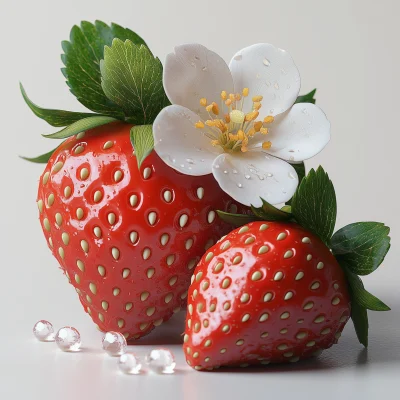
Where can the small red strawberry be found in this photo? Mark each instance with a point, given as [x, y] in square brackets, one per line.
[128, 239]
[267, 292]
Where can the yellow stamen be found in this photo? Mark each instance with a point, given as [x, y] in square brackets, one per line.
[269, 119]
[251, 116]
[257, 126]
[220, 125]
[215, 108]
[266, 145]
[233, 131]
[257, 99]
[199, 125]
[241, 135]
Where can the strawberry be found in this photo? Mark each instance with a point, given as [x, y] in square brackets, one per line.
[128, 239]
[267, 292]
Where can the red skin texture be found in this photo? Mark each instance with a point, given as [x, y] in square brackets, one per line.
[261, 339]
[144, 300]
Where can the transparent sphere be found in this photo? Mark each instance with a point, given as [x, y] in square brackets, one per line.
[44, 331]
[129, 364]
[68, 339]
[161, 361]
[114, 343]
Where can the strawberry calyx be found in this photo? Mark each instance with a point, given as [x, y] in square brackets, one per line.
[105, 83]
[359, 248]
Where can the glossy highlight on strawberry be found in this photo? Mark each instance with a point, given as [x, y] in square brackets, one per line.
[268, 292]
[128, 239]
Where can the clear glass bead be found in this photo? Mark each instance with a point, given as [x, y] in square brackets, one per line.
[44, 331]
[129, 364]
[114, 343]
[68, 339]
[161, 361]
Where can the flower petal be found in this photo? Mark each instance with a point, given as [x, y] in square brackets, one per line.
[269, 72]
[248, 176]
[180, 144]
[300, 133]
[193, 72]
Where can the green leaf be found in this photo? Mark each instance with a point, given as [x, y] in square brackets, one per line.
[236, 219]
[314, 204]
[82, 55]
[359, 316]
[301, 173]
[307, 98]
[267, 212]
[142, 141]
[362, 246]
[56, 118]
[132, 78]
[80, 126]
[362, 296]
[42, 159]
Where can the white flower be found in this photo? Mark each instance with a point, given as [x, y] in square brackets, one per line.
[240, 122]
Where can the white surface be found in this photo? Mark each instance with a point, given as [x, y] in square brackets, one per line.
[348, 49]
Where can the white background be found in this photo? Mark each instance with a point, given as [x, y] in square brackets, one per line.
[349, 50]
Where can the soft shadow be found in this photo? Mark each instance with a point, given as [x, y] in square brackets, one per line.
[169, 333]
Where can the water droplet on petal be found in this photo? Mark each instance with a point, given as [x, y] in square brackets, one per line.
[247, 176]
[239, 185]
[216, 166]
[225, 172]
[238, 57]
[190, 160]
[266, 62]
[129, 364]
[276, 85]
[234, 171]
[204, 69]
[161, 361]
[68, 339]
[44, 331]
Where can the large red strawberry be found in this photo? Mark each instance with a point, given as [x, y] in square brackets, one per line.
[126, 229]
[128, 239]
[267, 292]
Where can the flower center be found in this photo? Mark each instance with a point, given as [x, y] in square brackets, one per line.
[235, 130]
